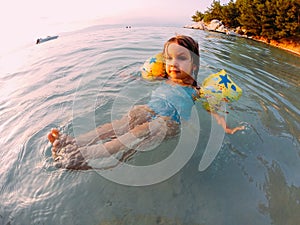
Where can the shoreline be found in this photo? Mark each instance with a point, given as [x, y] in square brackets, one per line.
[291, 44]
[288, 44]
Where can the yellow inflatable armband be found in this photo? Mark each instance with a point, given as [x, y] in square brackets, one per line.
[217, 88]
[154, 67]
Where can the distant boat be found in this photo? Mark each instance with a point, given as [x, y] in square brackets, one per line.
[48, 38]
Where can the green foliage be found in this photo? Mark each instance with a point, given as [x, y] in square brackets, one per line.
[267, 18]
[272, 19]
[249, 17]
[213, 12]
[198, 16]
[288, 18]
[230, 14]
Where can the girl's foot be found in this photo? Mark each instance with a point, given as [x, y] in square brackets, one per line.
[65, 151]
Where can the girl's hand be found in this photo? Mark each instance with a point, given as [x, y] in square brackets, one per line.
[221, 121]
[233, 130]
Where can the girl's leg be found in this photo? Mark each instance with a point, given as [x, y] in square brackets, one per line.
[140, 137]
[137, 115]
[63, 145]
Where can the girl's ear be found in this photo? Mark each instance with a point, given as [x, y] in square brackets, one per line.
[194, 67]
[194, 72]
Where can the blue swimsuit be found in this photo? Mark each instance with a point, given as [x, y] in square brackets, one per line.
[173, 100]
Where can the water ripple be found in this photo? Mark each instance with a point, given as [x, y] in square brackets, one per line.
[86, 71]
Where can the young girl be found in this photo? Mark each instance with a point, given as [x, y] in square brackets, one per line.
[144, 125]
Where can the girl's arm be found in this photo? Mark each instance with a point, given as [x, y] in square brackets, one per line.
[221, 121]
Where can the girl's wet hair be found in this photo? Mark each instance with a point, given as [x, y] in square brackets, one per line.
[190, 44]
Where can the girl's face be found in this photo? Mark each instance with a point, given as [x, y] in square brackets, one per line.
[179, 63]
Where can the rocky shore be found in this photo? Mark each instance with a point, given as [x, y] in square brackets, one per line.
[289, 44]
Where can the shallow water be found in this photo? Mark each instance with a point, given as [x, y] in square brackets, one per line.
[73, 83]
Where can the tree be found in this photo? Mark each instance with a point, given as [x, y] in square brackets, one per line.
[230, 13]
[287, 18]
[198, 16]
[268, 15]
[272, 19]
[250, 16]
[213, 12]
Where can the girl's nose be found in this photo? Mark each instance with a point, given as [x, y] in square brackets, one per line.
[173, 62]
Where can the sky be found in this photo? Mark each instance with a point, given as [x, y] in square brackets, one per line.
[27, 20]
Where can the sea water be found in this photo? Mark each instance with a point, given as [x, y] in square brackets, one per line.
[74, 82]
